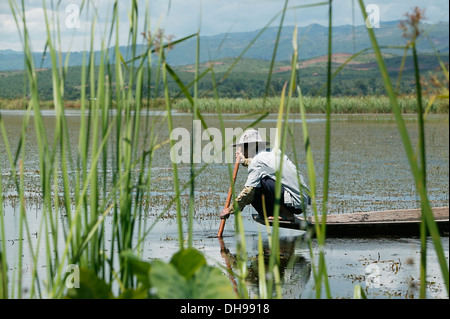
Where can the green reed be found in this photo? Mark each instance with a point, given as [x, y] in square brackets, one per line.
[314, 104]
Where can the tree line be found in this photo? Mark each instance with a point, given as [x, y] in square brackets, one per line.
[237, 84]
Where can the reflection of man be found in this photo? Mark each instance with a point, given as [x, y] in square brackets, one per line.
[260, 182]
[294, 269]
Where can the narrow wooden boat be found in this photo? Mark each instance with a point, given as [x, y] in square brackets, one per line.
[403, 222]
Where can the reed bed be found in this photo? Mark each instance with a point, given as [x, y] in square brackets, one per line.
[313, 104]
[108, 172]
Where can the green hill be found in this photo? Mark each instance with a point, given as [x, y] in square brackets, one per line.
[249, 76]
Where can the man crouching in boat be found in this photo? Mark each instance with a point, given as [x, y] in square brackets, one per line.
[260, 184]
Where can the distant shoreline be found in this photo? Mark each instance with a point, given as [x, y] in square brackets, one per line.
[339, 105]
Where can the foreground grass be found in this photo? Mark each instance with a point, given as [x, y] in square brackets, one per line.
[342, 104]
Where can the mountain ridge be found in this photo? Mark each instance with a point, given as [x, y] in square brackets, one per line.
[312, 39]
[248, 78]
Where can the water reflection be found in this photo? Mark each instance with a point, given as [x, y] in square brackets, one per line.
[295, 268]
[369, 172]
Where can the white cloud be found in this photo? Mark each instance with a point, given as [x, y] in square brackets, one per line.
[183, 17]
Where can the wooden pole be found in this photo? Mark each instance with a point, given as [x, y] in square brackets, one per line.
[226, 257]
[230, 193]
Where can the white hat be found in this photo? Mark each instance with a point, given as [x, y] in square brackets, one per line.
[250, 136]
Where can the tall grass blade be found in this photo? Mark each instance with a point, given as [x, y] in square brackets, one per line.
[415, 169]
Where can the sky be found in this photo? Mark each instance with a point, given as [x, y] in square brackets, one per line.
[184, 17]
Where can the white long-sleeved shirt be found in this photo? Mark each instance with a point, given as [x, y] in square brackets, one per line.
[266, 163]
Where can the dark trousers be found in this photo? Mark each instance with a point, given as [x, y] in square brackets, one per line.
[267, 191]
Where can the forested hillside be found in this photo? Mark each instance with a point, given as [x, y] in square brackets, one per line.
[248, 78]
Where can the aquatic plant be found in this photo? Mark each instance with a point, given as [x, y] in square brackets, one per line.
[416, 161]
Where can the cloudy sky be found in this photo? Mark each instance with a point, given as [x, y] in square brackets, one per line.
[184, 17]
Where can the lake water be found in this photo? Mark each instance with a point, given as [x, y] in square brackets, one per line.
[369, 171]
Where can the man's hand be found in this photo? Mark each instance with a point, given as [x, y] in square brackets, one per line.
[240, 156]
[225, 213]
